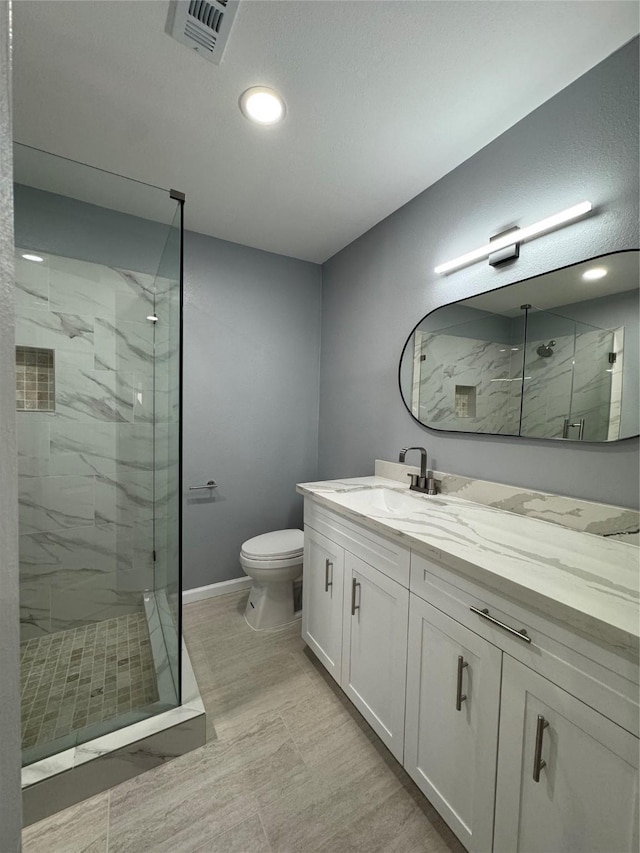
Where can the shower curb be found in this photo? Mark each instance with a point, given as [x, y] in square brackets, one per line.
[55, 783]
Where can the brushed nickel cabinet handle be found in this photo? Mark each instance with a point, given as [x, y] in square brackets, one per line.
[327, 583]
[460, 696]
[484, 614]
[354, 607]
[538, 760]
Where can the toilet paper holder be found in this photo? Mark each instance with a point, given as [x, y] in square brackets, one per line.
[210, 484]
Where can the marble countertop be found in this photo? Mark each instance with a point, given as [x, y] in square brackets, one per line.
[585, 582]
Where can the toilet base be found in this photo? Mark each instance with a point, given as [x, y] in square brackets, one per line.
[270, 605]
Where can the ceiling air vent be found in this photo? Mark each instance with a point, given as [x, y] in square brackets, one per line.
[203, 25]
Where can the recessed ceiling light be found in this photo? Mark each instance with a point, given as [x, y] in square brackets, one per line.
[35, 258]
[262, 105]
[594, 273]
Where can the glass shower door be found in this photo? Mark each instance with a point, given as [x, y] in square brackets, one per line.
[589, 412]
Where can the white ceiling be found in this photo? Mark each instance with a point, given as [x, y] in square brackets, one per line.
[562, 287]
[383, 99]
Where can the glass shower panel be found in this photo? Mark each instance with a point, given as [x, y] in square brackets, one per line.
[548, 374]
[90, 247]
[166, 449]
[590, 411]
[567, 383]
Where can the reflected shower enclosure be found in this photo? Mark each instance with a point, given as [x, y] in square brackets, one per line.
[555, 356]
[98, 365]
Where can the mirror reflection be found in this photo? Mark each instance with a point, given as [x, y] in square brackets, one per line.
[555, 356]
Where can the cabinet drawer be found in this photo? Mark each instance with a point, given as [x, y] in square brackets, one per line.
[385, 555]
[597, 676]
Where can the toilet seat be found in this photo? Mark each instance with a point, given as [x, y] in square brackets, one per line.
[266, 565]
[284, 547]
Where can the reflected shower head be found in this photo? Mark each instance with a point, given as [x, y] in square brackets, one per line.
[545, 350]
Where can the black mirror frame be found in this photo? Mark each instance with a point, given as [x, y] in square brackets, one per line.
[499, 434]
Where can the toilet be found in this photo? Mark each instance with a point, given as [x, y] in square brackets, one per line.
[274, 562]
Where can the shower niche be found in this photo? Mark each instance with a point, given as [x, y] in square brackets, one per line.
[554, 357]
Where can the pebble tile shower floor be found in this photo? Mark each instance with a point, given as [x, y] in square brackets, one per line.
[86, 675]
[289, 765]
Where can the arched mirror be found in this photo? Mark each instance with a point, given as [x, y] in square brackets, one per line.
[555, 356]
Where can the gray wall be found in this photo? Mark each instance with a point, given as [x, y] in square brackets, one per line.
[10, 795]
[251, 355]
[583, 143]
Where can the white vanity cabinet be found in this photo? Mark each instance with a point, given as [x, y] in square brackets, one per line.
[451, 734]
[475, 693]
[567, 775]
[355, 616]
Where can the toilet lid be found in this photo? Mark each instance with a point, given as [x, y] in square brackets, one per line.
[279, 544]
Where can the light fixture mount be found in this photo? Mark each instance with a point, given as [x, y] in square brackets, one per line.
[508, 253]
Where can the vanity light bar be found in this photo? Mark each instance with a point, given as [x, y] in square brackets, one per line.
[517, 236]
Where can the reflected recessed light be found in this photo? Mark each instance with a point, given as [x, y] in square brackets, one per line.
[262, 105]
[503, 350]
[514, 349]
[153, 318]
[35, 258]
[594, 273]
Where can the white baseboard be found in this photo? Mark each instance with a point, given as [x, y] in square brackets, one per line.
[213, 589]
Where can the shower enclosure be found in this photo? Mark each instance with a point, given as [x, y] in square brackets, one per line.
[98, 360]
[537, 374]
[568, 387]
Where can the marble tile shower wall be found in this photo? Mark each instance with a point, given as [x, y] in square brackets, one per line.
[87, 473]
[484, 365]
[575, 382]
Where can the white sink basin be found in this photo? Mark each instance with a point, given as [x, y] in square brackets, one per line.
[382, 502]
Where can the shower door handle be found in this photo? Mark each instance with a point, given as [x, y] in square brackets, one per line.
[579, 426]
[210, 484]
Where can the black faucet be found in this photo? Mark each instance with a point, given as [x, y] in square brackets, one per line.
[419, 482]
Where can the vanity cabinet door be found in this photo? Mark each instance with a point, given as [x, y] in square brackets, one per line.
[451, 735]
[586, 795]
[374, 656]
[322, 589]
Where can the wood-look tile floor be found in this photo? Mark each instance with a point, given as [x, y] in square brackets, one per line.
[289, 767]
